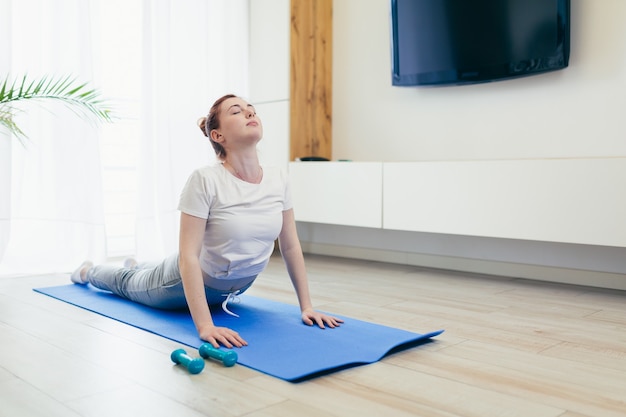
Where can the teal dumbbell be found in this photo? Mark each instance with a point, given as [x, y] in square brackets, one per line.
[227, 357]
[193, 365]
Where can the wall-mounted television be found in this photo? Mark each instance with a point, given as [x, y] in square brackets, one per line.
[453, 42]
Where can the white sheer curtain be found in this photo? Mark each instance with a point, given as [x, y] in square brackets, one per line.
[194, 52]
[5, 139]
[51, 200]
[51, 213]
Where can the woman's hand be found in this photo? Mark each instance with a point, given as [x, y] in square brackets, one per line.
[221, 335]
[311, 317]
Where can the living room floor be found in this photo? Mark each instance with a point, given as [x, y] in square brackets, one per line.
[511, 347]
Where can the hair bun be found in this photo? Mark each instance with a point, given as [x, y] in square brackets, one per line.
[202, 125]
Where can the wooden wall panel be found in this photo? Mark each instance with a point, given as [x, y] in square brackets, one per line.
[311, 78]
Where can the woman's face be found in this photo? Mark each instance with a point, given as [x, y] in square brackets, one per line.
[239, 122]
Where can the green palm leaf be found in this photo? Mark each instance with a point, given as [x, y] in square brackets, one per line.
[81, 99]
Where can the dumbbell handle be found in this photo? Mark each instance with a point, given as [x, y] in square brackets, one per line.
[193, 365]
[227, 357]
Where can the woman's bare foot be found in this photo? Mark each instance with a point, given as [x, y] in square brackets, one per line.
[130, 263]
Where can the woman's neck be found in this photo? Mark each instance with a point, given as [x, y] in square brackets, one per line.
[246, 170]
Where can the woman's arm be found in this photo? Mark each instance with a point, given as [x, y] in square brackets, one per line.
[291, 252]
[190, 243]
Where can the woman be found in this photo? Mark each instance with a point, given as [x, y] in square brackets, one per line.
[231, 214]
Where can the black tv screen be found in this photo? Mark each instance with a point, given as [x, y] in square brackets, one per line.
[440, 42]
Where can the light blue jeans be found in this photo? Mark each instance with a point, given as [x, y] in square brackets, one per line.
[156, 285]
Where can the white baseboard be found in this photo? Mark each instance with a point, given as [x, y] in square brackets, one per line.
[494, 268]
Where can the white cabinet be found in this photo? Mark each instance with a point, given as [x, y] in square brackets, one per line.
[345, 193]
[580, 201]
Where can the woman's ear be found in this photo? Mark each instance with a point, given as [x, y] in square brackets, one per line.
[216, 136]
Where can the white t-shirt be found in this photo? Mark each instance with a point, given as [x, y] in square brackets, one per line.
[243, 219]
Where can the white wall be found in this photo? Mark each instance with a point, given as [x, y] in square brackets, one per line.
[574, 113]
[269, 77]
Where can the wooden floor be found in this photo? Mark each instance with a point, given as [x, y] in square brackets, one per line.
[511, 348]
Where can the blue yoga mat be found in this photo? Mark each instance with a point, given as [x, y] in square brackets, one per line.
[279, 344]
